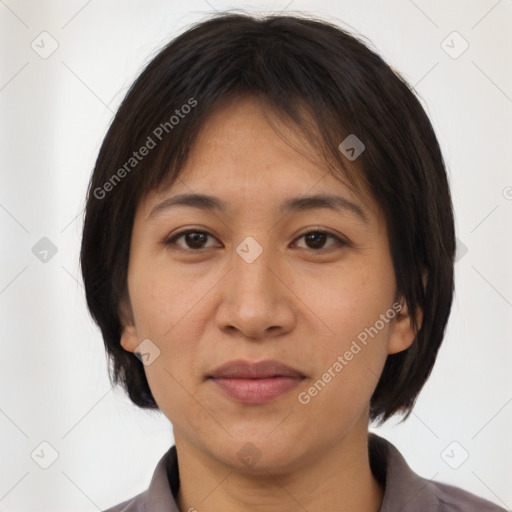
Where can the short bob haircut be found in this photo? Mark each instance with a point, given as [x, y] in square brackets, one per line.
[325, 83]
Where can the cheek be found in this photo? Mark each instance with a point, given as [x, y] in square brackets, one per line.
[345, 303]
[351, 355]
[339, 393]
[173, 376]
[164, 296]
[171, 313]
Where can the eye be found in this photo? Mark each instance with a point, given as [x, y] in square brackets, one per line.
[193, 238]
[316, 240]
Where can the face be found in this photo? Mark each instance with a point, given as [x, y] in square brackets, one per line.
[312, 288]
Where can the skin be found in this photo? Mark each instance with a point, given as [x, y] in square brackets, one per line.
[299, 302]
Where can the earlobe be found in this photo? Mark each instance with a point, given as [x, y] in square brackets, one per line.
[129, 338]
[403, 332]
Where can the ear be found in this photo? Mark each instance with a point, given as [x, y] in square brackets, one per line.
[129, 338]
[402, 331]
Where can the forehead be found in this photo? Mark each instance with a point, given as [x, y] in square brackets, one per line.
[245, 151]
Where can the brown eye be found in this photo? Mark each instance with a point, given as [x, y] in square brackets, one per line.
[193, 239]
[316, 240]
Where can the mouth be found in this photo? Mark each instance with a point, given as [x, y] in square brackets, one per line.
[255, 383]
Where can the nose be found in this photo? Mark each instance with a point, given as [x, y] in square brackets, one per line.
[257, 302]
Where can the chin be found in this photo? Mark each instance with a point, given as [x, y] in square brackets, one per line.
[258, 454]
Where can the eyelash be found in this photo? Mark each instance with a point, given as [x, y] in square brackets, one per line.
[172, 240]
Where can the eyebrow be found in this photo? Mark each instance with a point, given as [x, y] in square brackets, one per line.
[294, 204]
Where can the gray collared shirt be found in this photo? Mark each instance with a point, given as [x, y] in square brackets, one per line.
[404, 490]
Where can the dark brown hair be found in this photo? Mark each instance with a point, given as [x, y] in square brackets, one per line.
[328, 84]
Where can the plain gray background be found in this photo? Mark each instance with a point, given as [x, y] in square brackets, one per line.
[65, 67]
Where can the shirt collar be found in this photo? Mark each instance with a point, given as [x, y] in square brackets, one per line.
[403, 489]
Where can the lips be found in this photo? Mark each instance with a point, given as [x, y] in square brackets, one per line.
[255, 383]
[240, 369]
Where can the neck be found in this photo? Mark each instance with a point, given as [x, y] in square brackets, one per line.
[339, 479]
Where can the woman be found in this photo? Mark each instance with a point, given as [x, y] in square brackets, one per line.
[268, 250]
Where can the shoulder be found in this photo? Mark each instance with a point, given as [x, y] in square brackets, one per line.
[406, 491]
[134, 504]
[455, 499]
[161, 491]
